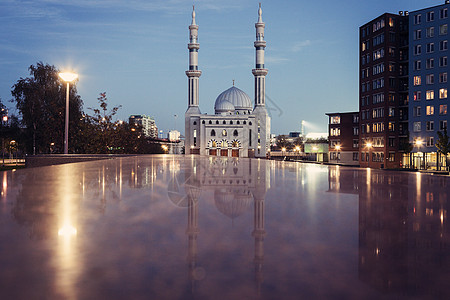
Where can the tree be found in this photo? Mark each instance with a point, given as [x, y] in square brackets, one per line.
[40, 100]
[443, 144]
[407, 147]
[282, 142]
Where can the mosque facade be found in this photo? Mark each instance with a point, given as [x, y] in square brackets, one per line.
[238, 128]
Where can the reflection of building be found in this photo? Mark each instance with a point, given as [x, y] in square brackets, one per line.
[237, 128]
[148, 125]
[404, 234]
[343, 132]
[236, 185]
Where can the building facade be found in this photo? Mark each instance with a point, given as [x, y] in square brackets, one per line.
[383, 90]
[343, 135]
[238, 128]
[148, 125]
[428, 82]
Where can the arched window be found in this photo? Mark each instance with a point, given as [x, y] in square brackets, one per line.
[224, 144]
[203, 122]
[235, 133]
[195, 122]
[210, 122]
[238, 122]
[213, 132]
[217, 122]
[231, 122]
[224, 122]
[245, 122]
[235, 144]
[224, 132]
[250, 123]
[213, 144]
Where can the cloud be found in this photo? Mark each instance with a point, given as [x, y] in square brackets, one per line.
[299, 46]
[275, 59]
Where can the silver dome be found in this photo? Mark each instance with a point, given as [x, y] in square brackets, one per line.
[224, 106]
[237, 97]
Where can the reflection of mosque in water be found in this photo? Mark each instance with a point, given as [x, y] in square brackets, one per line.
[404, 233]
[237, 184]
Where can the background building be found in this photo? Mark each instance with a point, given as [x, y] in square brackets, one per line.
[383, 90]
[343, 138]
[148, 125]
[428, 81]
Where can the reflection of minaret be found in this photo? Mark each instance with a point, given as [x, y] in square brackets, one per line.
[259, 232]
[192, 232]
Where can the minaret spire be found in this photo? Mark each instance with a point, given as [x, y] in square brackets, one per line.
[193, 73]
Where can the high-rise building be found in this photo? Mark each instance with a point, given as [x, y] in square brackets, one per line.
[148, 125]
[383, 90]
[428, 83]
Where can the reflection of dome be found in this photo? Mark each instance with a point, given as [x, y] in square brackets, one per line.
[239, 99]
[224, 106]
[181, 188]
[232, 203]
[176, 193]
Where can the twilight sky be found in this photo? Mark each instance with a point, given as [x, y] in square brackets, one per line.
[136, 52]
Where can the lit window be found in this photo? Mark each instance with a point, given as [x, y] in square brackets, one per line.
[417, 80]
[224, 132]
[335, 120]
[430, 110]
[443, 109]
[430, 94]
[442, 93]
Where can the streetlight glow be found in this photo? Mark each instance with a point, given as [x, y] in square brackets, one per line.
[369, 145]
[68, 76]
[338, 147]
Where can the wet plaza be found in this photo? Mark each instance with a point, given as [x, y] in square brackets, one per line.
[192, 227]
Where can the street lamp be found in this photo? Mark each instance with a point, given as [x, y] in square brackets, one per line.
[68, 77]
[297, 148]
[338, 148]
[418, 143]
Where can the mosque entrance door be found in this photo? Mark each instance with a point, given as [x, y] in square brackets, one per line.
[235, 153]
[213, 152]
[224, 152]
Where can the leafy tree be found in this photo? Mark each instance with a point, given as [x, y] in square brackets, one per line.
[282, 142]
[407, 147]
[443, 143]
[40, 100]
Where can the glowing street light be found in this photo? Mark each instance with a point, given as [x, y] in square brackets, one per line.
[338, 148]
[67, 77]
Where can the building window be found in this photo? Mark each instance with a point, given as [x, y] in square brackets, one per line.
[355, 130]
[443, 29]
[235, 133]
[417, 65]
[224, 132]
[335, 131]
[443, 77]
[430, 79]
[391, 126]
[195, 137]
[391, 157]
[417, 127]
[430, 141]
[355, 143]
[443, 61]
[195, 123]
[335, 120]
[391, 111]
[430, 47]
[355, 156]
[443, 45]
[430, 125]
[430, 63]
[417, 34]
[378, 54]
[217, 122]
[443, 13]
[430, 110]
[430, 16]
[430, 32]
[430, 94]
[417, 111]
[442, 93]
[213, 132]
[443, 109]
[417, 95]
[443, 124]
[417, 19]
[417, 80]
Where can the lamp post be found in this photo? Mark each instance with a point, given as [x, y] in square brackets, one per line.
[418, 143]
[298, 151]
[368, 146]
[283, 150]
[68, 77]
[338, 148]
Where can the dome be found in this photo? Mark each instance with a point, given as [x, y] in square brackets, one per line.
[224, 106]
[240, 100]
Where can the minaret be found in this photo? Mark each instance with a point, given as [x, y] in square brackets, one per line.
[260, 72]
[262, 138]
[193, 73]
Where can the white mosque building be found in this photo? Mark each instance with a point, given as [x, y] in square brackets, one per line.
[238, 128]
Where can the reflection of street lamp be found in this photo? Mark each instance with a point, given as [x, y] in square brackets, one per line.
[283, 151]
[297, 148]
[338, 148]
[165, 148]
[368, 146]
[67, 77]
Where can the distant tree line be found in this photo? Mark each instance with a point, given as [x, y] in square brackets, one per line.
[39, 127]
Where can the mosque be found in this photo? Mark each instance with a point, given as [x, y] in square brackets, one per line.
[238, 128]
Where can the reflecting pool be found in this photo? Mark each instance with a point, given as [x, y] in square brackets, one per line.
[191, 227]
